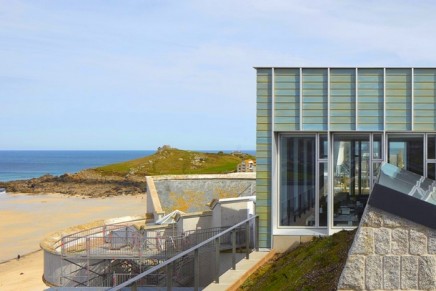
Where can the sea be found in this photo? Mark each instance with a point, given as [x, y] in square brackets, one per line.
[22, 165]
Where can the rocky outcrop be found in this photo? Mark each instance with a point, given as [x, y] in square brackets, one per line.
[85, 183]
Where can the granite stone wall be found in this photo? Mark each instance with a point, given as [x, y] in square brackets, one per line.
[390, 253]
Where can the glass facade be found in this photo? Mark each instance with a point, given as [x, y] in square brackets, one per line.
[323, 135]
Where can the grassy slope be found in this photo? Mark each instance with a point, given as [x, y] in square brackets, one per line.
[316, 265]
[174, 161]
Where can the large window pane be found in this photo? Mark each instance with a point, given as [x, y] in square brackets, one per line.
[297, 181]
[323, 193]
[377, 146]
[323, 146]
[406, 152]
[351, 178]
[431, 171]
[431, 149]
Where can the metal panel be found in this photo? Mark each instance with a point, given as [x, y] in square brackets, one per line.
[370, 102]
[424, 99]
[398, 99]
[263, 150]
[286, 99]
[314, 99]
[342, 99]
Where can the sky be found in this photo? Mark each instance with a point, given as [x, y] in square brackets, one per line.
[135, 75]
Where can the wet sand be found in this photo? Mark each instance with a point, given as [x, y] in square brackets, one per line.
[26, 219]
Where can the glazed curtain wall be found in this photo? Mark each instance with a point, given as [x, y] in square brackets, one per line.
[314, 100]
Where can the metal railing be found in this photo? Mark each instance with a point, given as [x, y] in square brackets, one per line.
[95, 230]
[251, 239]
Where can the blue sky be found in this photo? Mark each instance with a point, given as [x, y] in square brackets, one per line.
[140, 74]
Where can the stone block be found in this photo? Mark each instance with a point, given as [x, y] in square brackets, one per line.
[391, 272]
[372, 217]
[417, 242]
[363, 242]
[400, 241]
[427, 272]
[393, 221]
[409, 272]
[432, 242]
[374, 272]
[382, 241]
[352, 276]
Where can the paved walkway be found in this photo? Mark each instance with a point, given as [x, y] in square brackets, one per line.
[232, 279]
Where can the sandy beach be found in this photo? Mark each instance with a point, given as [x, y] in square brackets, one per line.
[27, 219]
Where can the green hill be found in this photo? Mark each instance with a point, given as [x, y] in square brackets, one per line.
[172, 161]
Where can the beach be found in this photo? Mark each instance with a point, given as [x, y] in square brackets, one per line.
[27, 219]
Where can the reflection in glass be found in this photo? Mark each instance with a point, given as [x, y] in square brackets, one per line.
[297, 181]
[376, 170]
[407, 153]
[323, 146]
[351, 178]
[407, 182]
[431, 171]
[323, 193]
[431, 147]
[377, 146]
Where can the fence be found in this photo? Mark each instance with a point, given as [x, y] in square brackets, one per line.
[195, 254]
[108, 255]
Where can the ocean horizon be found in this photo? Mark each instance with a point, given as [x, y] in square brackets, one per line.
[28, 164]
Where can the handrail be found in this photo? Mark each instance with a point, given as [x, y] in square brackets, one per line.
[184, 253]
[121, 223]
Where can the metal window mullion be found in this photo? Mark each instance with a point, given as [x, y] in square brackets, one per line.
[328, 99]
[371, 155]
[356, 99]
[384, 98]
[317, 180]
[275, 212]
[330, 185]
[412, 96]
[273, 105]
[425, 154]
[301, 99]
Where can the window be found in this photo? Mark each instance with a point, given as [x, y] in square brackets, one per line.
[297, 180]
[407, 152]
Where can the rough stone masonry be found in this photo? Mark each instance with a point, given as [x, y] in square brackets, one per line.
[390, 253]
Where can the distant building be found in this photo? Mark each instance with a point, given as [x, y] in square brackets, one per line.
[247, 166]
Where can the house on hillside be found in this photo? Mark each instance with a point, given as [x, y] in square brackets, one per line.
[322, 134]
[247, 166]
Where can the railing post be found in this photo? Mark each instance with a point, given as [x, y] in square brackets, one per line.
[169, 276]
[217, 260]
[256, 221]
[63, 246]
[88, 251]
[247, 240]
[196, 271]
[233, 237]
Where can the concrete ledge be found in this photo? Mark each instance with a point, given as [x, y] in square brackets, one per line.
[232, 279]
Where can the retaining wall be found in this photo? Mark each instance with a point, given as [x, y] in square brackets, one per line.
[191, 193]
[390, 253]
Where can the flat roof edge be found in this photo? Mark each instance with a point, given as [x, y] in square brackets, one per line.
[341, 67]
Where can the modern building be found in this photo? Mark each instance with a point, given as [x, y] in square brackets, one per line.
[322, 134]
